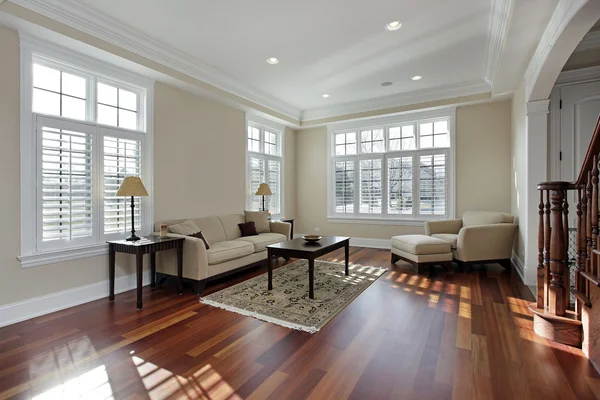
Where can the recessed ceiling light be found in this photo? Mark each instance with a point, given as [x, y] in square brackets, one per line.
[417, 78]
[273, 60]
[393, 26]
[325, 95]
[386, 84]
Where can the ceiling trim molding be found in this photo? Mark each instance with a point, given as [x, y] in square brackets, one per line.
[590, 41]
[402, 99]
[499, 23]
[103, 27]
[578, 76]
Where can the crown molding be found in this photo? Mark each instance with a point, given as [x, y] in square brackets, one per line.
[402, 99]
[590, 41]
[499, 23]
[578, 76]
[101, 26]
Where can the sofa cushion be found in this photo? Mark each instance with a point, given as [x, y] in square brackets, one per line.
[420, 244]
[229, 250]
[263, 239]
[451, 238]
[472, 218]
[186, 228]
[230, 225]
[260, 219]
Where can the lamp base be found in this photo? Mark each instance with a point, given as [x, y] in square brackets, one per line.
[133, 238]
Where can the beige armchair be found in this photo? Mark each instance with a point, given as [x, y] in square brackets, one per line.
[479, 237]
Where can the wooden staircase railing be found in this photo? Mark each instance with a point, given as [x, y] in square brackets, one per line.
[554, 316]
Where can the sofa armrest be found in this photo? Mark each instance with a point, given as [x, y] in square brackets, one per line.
[281, 227]
[195, 259]
[486, 242]
[447, 226]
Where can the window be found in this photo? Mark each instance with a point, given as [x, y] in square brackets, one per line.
[83, 130]
[398, 169]
[264, 165]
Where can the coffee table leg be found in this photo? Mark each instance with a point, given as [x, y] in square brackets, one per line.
[347, 254]
[270, 266]
[311, 278]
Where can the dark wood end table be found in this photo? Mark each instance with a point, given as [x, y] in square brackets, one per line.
[146, 245]
[299, 248]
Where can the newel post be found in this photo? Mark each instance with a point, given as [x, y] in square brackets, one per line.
[557, 293]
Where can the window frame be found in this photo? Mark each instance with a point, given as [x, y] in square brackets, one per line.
[39, 51]
[386, 218]
[262, 124]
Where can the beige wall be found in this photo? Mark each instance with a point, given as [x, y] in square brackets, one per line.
[199, 170]
[482, 179]
[518, 186]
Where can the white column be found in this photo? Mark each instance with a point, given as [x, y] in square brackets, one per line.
[537, 171]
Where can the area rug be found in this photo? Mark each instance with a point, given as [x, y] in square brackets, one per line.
[288, 303]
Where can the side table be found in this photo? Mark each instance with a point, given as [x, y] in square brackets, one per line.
[146, 245]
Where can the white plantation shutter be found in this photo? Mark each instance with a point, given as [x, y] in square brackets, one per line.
[122, 157]
[370, 186]
[256, 172]
[400, 185]
[432, 184]
[274, 181]
[344, 186]
[65, 194]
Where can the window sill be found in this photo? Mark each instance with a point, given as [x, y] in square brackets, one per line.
[376, 221]
[57, 256]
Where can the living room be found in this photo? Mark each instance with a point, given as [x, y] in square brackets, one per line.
[381, 135]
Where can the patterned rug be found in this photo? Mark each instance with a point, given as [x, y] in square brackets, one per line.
[288, 303]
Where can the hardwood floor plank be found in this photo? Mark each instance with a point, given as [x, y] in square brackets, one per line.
[439, 335]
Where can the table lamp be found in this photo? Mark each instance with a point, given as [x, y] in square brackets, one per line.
[132, 186]
[263, 190]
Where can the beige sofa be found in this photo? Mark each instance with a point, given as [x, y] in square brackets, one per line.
[228, 250]
[480, 237]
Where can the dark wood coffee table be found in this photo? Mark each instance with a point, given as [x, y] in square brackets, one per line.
[299, 248]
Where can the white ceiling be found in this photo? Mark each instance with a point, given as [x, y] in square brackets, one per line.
[339, 47]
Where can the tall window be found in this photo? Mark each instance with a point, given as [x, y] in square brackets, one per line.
[398, 169]
[82, 133]
[264, 165]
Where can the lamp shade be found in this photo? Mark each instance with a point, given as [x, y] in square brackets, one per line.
[263, 190]
[132, 186]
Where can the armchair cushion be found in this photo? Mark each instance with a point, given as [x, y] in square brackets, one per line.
[420, 244]
[451, 238]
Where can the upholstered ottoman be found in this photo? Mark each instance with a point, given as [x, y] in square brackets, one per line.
[422, 251]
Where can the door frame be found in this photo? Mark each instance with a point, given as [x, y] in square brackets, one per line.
[566, 78]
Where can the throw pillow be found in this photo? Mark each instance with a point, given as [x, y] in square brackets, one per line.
[261, 219]
[185, 228]
[199, 235]
[248, 229]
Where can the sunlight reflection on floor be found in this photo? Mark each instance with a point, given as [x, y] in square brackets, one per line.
[93, 384]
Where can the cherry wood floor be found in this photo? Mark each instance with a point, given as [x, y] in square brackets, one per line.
[441, 336]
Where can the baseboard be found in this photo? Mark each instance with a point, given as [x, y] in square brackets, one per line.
[519, 267]
[364, 242]
[31, 308]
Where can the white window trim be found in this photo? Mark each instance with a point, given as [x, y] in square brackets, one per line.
[384, 218]
[34, 47]
[256, 121]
